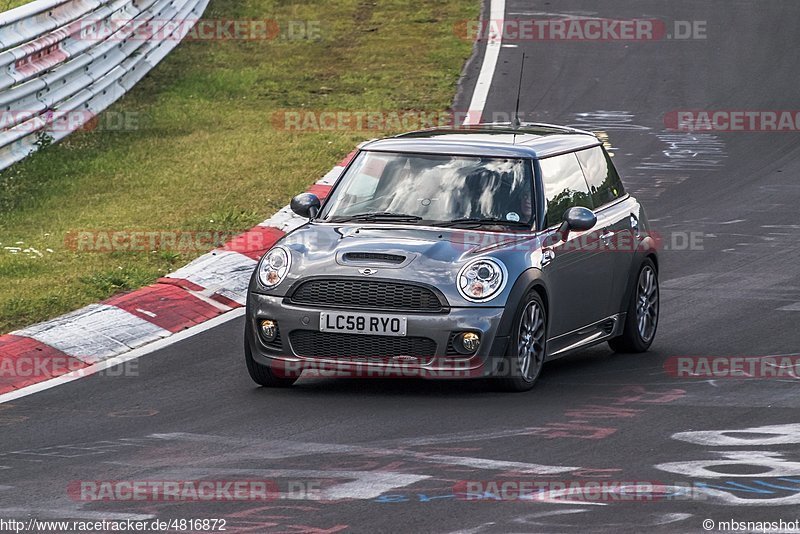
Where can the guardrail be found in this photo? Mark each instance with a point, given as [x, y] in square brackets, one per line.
[62, 62]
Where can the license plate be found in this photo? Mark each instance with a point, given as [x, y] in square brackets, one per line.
[363, 323]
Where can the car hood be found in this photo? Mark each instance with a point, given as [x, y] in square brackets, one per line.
[430, 255]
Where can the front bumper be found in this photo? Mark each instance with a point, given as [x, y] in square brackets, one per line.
[438, 327]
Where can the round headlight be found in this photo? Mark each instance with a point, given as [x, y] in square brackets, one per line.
[274, 266]
[481, 280]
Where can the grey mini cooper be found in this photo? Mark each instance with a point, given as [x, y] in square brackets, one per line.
[470, 252]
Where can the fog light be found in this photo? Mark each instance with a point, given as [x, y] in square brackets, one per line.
[468, 342]
[269, 329]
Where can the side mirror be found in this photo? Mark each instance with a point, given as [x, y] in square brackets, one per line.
[578, 219]
[305, 205]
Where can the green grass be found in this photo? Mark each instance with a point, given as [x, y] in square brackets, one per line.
[205, 148]
[5, 5]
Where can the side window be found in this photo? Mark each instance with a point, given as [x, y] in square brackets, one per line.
[604, 183]
[564, 186]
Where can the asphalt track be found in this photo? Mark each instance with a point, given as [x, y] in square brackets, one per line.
[388, 454]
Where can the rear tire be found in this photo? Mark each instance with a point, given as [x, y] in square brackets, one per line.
[525, 355]
[641, 320]
[264, 375]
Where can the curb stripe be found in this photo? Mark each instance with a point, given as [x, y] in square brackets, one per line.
[332, 176]
[94, 333]
[254, 242]
[166, 306]
[321, 190]
[179, 282]
[284, 220]
[348, 158]
[216, 304]
[225, 301]
[219, 272]
[25, 361]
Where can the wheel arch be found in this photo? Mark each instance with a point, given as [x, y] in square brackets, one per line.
[639, 259]
[654, 258]
[538, 286]
[529, 280]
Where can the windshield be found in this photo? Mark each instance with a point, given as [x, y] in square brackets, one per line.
[434, 189]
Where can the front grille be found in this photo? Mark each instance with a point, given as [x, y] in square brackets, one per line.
[313, 344]
[367, 294]
[374, 256]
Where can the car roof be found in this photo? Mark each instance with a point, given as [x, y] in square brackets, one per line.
[529, 140]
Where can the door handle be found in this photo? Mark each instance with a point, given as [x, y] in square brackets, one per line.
[606, 237]
[548, 255]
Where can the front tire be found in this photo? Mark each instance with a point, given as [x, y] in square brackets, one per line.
[641, 321]
[264, 375]
[525, 355]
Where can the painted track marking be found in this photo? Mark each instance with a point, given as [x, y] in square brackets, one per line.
[493, 45]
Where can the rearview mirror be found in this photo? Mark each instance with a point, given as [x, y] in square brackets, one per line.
[305, 205]
[577, 219]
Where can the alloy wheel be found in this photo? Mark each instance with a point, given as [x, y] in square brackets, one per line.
[531, 345]
[647, 303]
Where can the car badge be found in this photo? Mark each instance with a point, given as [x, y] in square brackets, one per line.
[367, 271]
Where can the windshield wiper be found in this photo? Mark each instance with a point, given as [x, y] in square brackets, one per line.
[484, 221]
[380, 216]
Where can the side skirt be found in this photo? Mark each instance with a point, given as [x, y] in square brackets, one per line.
[587, 336]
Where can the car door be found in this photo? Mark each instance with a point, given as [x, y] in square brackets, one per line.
[614, 211]
[578, 270]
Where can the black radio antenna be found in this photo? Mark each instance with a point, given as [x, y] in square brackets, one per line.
[516, 122]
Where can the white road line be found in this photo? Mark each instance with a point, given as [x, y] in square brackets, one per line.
[362, 485]
[132, 355]
[281, 449]
[494, 44]
[458, 437]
